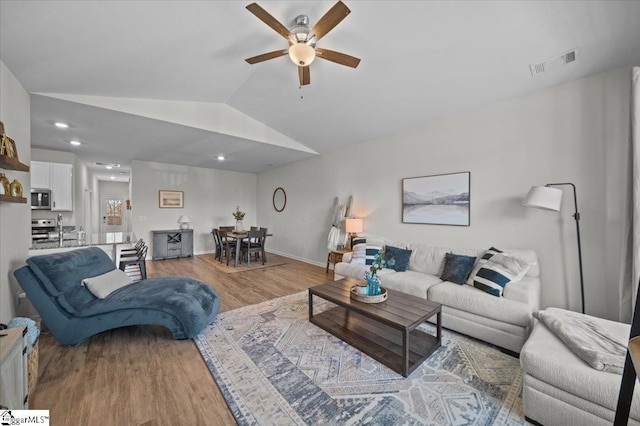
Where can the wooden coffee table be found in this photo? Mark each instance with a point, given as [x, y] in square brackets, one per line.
[386, 331]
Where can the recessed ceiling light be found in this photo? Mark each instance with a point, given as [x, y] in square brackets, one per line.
[220, 157]
[61, 125]
[112, 177]
[109, 166]
[75, 143]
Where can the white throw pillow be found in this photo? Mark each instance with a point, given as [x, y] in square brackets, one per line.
[103, 285]
[498, 271]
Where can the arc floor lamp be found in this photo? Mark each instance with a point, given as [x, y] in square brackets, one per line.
[548, 198]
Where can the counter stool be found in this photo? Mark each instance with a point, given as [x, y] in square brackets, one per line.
[137, 266]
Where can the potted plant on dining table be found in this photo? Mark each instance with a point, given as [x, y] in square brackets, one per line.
[238, 215]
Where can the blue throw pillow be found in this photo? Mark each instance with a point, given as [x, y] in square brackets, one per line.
[401, 256]
[457, 267]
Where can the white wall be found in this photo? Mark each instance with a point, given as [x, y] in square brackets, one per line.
[577, 132]
[15, 226]
[210, 197]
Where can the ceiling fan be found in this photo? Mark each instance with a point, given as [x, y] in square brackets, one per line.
[302, 40]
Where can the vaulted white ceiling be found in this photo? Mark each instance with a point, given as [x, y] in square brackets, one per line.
[421, 61]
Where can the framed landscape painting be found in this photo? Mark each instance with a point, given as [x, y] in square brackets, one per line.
[171, 199]
[437, 200]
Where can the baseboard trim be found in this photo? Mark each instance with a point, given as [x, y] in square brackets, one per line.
[301, 259]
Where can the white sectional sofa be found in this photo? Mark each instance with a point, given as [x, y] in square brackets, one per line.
[561, 389]
[503, 321]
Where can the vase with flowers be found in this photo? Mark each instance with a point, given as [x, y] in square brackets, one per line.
[238, 215]
[371, 276]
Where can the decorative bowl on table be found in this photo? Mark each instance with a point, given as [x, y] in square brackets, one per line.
[359, 293]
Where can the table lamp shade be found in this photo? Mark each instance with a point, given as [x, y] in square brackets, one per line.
[184, 221]
[353, 225]
[543, 197]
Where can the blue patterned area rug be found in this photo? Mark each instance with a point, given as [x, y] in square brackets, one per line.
[275, 368]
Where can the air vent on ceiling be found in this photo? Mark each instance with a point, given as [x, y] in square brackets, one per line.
[555, 62]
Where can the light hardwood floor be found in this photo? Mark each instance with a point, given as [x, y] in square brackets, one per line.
[142, 376]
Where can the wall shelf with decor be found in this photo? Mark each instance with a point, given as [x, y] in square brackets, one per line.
[11, 192]
[12, 164]
[12, 199]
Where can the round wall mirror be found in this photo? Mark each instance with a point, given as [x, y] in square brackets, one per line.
[279, 199]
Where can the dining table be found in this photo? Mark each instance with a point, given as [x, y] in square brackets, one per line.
[239, 236]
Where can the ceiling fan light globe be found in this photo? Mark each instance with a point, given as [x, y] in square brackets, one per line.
[302, 54]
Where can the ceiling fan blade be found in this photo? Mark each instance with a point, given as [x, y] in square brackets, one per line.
[329, 20]
[305, 75]
[266, 56]
[265, 17]
[337, 57]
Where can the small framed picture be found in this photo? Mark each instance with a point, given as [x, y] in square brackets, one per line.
[171, 199]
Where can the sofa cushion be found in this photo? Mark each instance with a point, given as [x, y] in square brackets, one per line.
[498, 271]
[457, 267]
[359, 248]
[427, 259]
[61, 274]
[410, 282]
[371, 252]
[399, 255]
[482, 259]
[470, 299]
[357, 270]
[65, 271]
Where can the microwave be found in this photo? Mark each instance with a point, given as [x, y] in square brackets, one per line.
[40, 199]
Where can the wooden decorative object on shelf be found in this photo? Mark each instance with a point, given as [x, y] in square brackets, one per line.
[15, 188]
[9, 153]
[5, 186]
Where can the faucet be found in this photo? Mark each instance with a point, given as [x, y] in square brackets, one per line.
[60, 233]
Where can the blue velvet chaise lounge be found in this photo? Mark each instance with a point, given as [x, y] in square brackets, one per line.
[53, 284]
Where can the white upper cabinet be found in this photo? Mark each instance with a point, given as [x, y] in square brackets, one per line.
[61, 187]
[40, 175]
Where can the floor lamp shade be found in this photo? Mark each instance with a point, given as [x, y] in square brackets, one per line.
[543, 197]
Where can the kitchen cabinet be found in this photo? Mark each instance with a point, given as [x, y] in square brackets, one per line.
[40, 175]
[58, 177]
[61, 187]
[14, 369]
[168, 244]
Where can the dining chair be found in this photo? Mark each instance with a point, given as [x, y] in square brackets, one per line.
[253, 245]
[228, 246]
[217, 243]
[264, 243]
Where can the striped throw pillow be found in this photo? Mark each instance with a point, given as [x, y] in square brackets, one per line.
[497, 272]
[480, 262]
[371, 253]
[359, 248]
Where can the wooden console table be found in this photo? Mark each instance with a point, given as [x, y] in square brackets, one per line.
[172, 243]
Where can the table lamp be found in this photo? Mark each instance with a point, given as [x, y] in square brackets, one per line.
[184, 221]
[353, 225]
